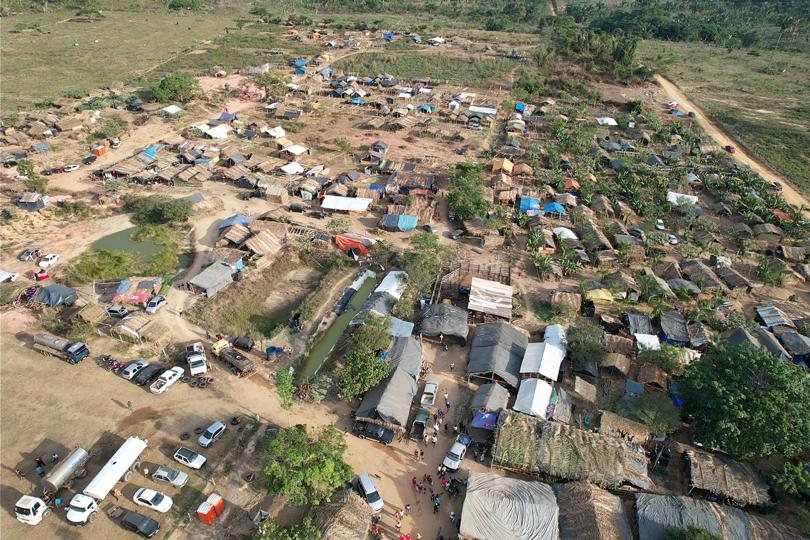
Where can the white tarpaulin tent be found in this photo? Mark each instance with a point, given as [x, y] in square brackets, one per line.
[394, 283]
[172, 109]
[533, 397]
[218, 132]
[350, 204]
[498, 507]
[606, 121]
[295, 150]
[293, 167]
[277, 132]
[647, 341]
[564, 233]
[543, 359]
[556, 335]
[491, 297]
[680, 198]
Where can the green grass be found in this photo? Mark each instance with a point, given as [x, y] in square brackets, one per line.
[472, 71]
[759, 98]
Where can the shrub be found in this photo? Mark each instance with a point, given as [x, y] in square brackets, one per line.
[585, 343]
[182, 88]
[157, 209]
[285, 386]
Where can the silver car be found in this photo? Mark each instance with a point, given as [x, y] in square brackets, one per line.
[170, 476]
[133, 368]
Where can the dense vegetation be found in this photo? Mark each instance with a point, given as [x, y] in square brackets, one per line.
[303, 530]
[362, 369]
[157, 209]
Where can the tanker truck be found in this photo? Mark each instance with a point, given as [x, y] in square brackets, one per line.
[72, 352]
[30, 509]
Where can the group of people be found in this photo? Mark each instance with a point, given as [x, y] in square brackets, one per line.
[40, 466]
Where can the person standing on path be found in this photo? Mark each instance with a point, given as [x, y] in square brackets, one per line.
[452, 366]
[421, 454]
[129, 405]
[39, 461]
[415, 486]
[434, 440]
[407, 509]
[427, 439]
[446, 397]
[55, 458]
[19, 473]
[399, 526]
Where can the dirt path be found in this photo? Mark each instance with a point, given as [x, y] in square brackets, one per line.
[790, 194]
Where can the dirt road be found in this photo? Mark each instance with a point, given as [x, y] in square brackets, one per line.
[790, 194]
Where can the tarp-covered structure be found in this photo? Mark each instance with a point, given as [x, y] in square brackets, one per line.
[496, 353]
[214, 278]
[347, 241]
[543, 359]
[491, 297]
[444, 320]
[498, 507]
[389, 403]
[137, 290]
[490, 397]
[536, 447]
[533, 397]
[657, 513]
[57, 295]
[590, 513]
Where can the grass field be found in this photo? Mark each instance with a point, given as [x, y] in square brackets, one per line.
[473, 71]
[760, 99]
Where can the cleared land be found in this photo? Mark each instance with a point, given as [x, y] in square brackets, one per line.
[755, 97]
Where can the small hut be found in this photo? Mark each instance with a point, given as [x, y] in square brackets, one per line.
[653, 378]
[348, 517]
[709, 473]
[590, 513]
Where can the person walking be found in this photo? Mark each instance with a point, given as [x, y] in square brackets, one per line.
[446, 397]
[452, 366]
[427, 439]
[434, 440]
[416, 455]
[129, 405]
[399, 526]
[415, 486]
[55, 458]
[40, 471]
[421, 454]
[446, 430]
[19, 473]
[407, 509]
[452, 516]
[39, 461]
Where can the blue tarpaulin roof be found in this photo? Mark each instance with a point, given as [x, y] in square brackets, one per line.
[528, 203]
[300, 62]
[554, 207]
[227, 117]
[428, 108]
[417, 39]
[236, 219]
[407, 223]
[378, 187]
[357, 101]
[484, 420]
[41, 147]
[300, 71]
[520, 106]
[400, 328]
[326, 73]
[389, 37]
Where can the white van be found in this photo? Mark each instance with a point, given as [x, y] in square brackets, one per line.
[369, 492]
[83, 506]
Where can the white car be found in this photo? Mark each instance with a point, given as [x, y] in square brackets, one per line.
[8, 276]
[133, 368]
[72, 168]
[214, 432]
[456, 453]
[48, 260]
[672, 239]
[155, 304]
[170, 476]
[659, 224]
[153, 499]
[189, 458]
[429, 393]
[369, 492]
[166, 380]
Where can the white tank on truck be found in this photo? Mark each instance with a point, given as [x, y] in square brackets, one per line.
[84, 506]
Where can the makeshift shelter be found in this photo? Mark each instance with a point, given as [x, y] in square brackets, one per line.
[618, 426]
[263, 243]
[619, 344]
[585, 390]
[444, 321]
[496, 353]
[711, 473]
[491, 397]
[348, 241]
[213, 279]
[346, 517]
[346, 204]
[617, 362]
[498, 507]
[57, 295]
[137, 290]
[491, 297]
[235, 219]
[33, 201]
[139, 327]
[533, 397]
[657, 513]
[542, 359]
[673, 328]
[590, 513]
[533, 446]
[398, 222]
[389, 403]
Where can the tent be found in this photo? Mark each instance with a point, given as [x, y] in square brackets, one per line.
[542, 359]
[292, 168]
[214, 278]
[389, 403]
[406, 355]
[347, 241]
[394, 283]
[680, 198]
[57, 295]
[533, 397]
[484, 420]
[235, 219]
[554, 208]
[498, 507]
[497, 352]
[398, 222]
[444, 320]
[347, 204]
[491, 297]
[490, 397]
[528, 205]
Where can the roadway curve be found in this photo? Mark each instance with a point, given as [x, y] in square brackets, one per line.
[789, 193]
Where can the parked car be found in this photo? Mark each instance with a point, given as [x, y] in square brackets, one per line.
[659, 224]
[189, 458]
[297, 207]
[456, 453]
[155, 500]
[672, 239]
[48, 172]
[374, 432]
[148, 374]
[30, 254]
[89, 160]
[135, 106]
[638, 233]
[49, 260]
[133, 368]
[214, 432]
[730, 149]
[140, 524]
[458, 233]
[366, 487]
[8, 276]
[115, 143]
[777, 186]
[420, 421]
[317, 214]
[71, 168]
[245, 343]
[155, 304]
[170, 476]
[117, 310]
[41, 275]
[431, 228]
[166, 380]
[429, 394]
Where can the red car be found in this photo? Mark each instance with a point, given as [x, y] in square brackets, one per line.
[42, 275]
[730, 149]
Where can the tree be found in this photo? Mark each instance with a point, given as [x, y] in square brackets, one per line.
[177, 87]
[158, 209]
[689, 533]
[423, 261]
[273, 83]
[467, 196]
[747, 402]
[35, 182]
[304, 530]
[668, 357]
[543, 263]
[360, 372]
[285, 386]
[585, 343]
[657, 412]
[338, 225]
[372, 336]
[793, 479]
[305, 467]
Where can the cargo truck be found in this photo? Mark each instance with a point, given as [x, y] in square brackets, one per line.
[240, 364]
[31, 510]
[71, 351]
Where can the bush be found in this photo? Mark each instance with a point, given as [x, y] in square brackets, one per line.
[657, 412]
[102, 265]
[689, 533]
[793, 479]
[109, 128]
[182, 88]
[361, 371]
[667, 358]
[157, 209]
[585, 343]
[185, 4]
[285, 386]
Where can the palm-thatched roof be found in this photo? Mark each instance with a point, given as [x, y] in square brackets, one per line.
[346, 518]
[726, 478]
[615, 425]
[590, 513]
[536, 447]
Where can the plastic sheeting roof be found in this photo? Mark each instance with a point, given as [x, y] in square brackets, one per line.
[491, 297]
[543, 358]
[56, 295]
[497, 507]
[352, 204]
[533, 397]
[556, 334]
[235, 219]
[498, 348]
[490, 397]
[444, 319]
[394, 283]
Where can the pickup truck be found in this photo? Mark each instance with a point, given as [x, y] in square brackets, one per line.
[195, 356]
[240, 364]
[429, 394]
[420, 421]
[73, 352]
[166, 380]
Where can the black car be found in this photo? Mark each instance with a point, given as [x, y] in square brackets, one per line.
[244, 343]
[48, 172]
[135, 522]
[374, 432]
[89, 160]
[297, 207]
[135, 106]
[317, 214]
[148, 374]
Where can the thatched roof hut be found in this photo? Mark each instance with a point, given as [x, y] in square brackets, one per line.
[617, 362]
[652, 377]
[726, 478]
[615, 425]
[347, 518]
[590, 513]
[619, 344]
